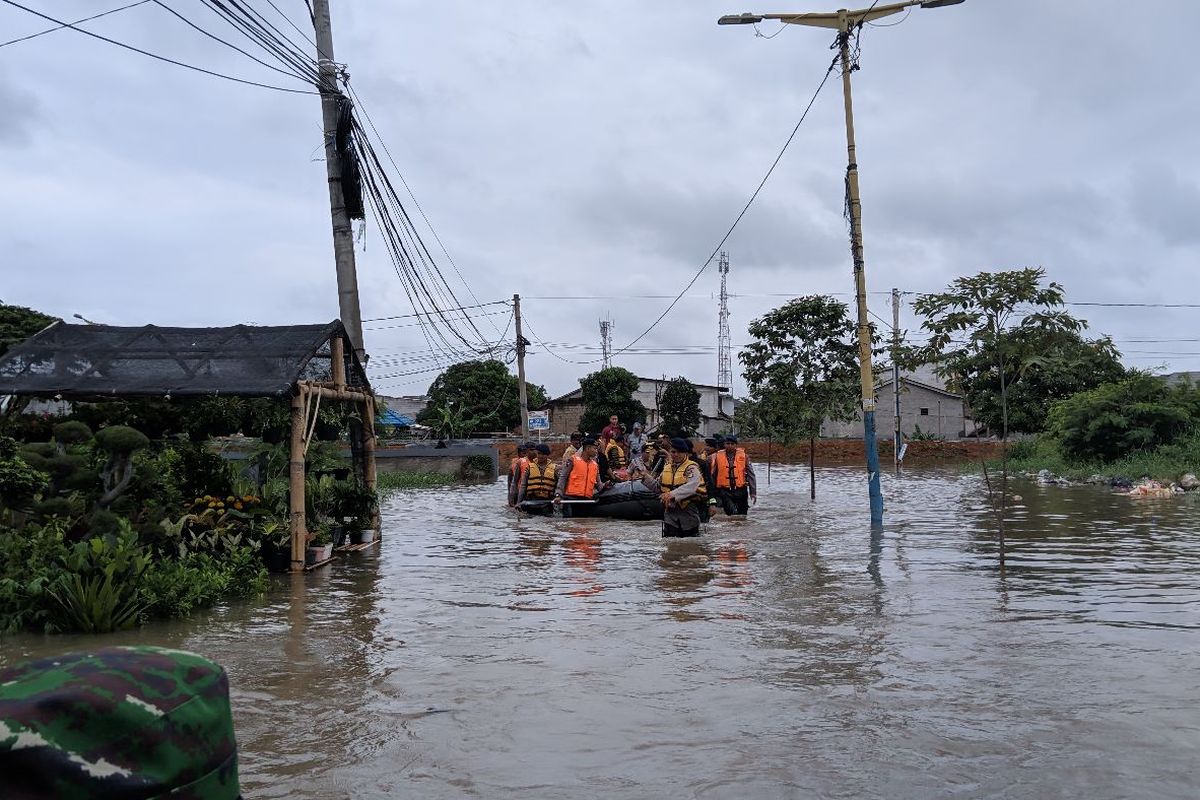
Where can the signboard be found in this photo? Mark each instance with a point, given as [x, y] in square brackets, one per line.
[539, 420]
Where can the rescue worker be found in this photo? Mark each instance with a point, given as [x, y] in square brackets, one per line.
[704, 461]
[678, 484]
[614, 454]
[539, 481]
[516, 468]
[733, 478]
[573, 447]
[117, 722]
[579, 478]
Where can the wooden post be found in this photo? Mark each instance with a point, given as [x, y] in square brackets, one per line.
[298, 527]
[368, 447]
[337, 357]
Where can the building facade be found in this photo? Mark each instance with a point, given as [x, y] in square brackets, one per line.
[927, 407]
[716, 408]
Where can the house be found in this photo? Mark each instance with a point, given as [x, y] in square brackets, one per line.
[925, 403]
[716, 407]
[406, 405]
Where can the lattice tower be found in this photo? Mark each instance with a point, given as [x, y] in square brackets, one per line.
[724, 340]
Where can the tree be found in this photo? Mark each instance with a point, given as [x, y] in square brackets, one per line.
[477, 396]
[607, 392]
[679, 408]
[983, 328]
[1116, 419]
[1056, 365]
[18, 323]
[801, 369]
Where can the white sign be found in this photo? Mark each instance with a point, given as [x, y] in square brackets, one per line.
[539, 420]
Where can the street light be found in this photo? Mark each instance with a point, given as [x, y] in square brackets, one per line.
[844, 22]
[84, 319]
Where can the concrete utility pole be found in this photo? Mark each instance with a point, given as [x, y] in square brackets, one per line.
[898, 437]
[844, 22]
[343, 235]
[521, 394]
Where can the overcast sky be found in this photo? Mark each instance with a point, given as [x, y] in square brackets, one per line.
[602, 149]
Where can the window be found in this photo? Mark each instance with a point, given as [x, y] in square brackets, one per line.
[924, 412]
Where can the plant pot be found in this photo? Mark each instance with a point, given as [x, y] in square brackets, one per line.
[314, 554]
[364, 536]
[339, 535]
[278, 560]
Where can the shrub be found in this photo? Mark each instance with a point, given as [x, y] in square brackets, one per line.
[100, 593]
[30, 567]
[72, 432]
[1116, 419]
[121, 439]
[19, 481]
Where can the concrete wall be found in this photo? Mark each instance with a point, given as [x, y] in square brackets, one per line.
[446, 461]
[933, 411]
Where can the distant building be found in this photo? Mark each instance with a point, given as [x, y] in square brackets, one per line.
[405, 405]
[716, 407]
[925, 403]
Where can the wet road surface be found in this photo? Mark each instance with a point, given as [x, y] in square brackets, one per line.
[795, 654]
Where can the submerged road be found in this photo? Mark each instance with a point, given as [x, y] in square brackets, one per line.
[792, 655]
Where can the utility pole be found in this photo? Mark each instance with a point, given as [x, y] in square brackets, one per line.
[898, 437]
[343, 235]
[844, 22]
[724, 340]
[522, 396]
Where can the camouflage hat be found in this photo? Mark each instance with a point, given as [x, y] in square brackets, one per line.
[129, 722]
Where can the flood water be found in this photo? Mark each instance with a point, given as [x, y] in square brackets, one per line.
[793, 655]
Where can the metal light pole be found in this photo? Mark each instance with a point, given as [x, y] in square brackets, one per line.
[844, 22]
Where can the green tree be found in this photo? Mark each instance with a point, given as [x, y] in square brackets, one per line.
[801, 369]
[607, 392]
[1052, 366]
[18, 323]
[1116, 419]
[679, 408]
[477, 396]
[984, 327]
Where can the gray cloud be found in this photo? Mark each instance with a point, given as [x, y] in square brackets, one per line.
[19, 113]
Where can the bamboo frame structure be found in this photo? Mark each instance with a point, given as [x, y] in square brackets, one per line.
[364, 464]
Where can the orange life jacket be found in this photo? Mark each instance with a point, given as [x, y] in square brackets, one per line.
[675, 476]
[517, 467]
[539, 485]
[720, 470]
[583, 477]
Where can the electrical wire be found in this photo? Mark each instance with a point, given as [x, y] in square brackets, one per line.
[459, 308]
[230, 45]
[156, 56]
[76, 22]
[825, 79]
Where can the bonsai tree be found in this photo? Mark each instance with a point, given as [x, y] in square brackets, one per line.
[120, 443]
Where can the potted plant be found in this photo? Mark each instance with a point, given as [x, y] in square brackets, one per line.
[320, 547]
[361, 530]
[276, 545]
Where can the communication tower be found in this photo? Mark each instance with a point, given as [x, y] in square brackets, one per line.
[724, 340]
[606, 327]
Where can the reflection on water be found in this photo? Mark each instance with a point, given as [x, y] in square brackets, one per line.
[796, 653]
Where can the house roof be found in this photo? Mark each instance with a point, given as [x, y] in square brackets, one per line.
[83, 361]
[909, 381]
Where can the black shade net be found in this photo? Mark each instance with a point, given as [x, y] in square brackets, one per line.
[97, 360]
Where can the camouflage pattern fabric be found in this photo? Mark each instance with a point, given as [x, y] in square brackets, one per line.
[120, 722]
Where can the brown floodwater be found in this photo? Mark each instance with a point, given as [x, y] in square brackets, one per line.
[792, 655]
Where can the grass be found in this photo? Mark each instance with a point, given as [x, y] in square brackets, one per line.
[1166, 463]
[388, 482]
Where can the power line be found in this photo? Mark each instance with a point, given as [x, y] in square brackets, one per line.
[76, 22]
[155, 56]
[746, 208]
[457, 308]
[218, 39]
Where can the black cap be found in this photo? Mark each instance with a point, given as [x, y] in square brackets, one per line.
[544, 449]
[731, 439]
[589, 440]
[681, 445]
[711, 442]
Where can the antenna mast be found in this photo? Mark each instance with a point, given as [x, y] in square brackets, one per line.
[724, 345]
[606, 327]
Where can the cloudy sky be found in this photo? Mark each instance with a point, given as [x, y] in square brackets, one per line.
[601, 149]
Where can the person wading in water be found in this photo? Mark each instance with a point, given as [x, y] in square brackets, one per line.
[579, 478]
[538, 482]
[733, 477]
[678, 484]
